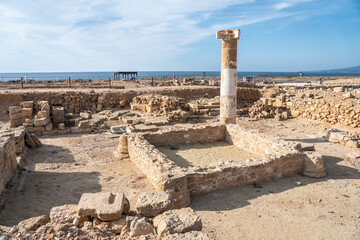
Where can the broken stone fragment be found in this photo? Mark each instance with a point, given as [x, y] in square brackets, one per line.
[140, 227]
[84, 124]
[151, 204]
[193, 235]
[64, 214]
[29, 141]
[314, 165]
[36, 140]
[104, 205]
[27, 104]
[34, 223]
[177, 221]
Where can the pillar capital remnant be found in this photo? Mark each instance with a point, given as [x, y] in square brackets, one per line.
[228, 99]
[228, 35]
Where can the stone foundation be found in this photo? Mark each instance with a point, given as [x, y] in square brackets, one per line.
[281, 159]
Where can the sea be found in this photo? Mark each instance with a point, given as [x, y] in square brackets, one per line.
[51, 76]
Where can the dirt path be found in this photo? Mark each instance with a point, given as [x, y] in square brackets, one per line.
[290, 208]
[67, 166]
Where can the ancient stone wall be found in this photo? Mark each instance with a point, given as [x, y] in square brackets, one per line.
[77, 101]
[7, 158]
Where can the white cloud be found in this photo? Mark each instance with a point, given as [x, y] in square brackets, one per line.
[67, 35]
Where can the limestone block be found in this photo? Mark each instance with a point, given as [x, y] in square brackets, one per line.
[193, 235]
[84, 124]
[43, 114]
[15, 109]
[42, 121]
[29, 141]
[36, 140]
[58, 115]
[177, 221]
[140, 227]
[103, 205]
[49, 126]
[314, 165]
[34, 223]
[27, 104]
[61, 126]
[27, 112]
[16, 122]
[17, 115]
[338, 89]
[64, 214]
[151, 204]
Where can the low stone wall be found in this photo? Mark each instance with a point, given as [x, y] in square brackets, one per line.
[281, 159]
[77, 101]
[7, 158]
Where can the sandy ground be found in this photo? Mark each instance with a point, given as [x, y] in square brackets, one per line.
[290, 208]
[205, 154]
[64, 168]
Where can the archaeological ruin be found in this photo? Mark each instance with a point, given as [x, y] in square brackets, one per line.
[180, 158]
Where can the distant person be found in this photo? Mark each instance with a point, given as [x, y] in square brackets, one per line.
[173, 76]
[22, 81]
[26, 79]
[320, 80]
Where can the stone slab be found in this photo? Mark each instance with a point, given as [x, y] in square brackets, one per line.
[103, 205]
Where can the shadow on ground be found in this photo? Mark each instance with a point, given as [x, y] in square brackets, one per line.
[44, 188]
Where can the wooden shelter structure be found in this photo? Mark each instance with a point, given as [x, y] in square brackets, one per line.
[125, 75]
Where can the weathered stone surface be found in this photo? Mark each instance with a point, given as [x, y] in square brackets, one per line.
[27, 112]
[15, 109]
[193, 235]
[84, 124]
[177, 221]
[33, 223]
[29, 141]
[64, 214]
[36, 140]
[140, 227]
[61, 126]
[8, 161]
[58, 115]
[151, 204]
[42, 121]
[344, 138]
[27, 104]
[314, 165]
[75, 130]
[103, 205]
[49, 126]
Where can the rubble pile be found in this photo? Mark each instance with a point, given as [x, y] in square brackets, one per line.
[172, 108]
[207, 107]
[344, 138]
[106, 215]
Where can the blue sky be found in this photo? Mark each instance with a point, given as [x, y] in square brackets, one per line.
[176, 35]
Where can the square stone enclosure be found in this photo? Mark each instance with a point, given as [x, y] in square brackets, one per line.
[279, 159]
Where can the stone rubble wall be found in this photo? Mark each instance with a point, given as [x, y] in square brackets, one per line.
[331, 107]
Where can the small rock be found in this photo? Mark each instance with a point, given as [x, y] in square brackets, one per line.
[140, 227]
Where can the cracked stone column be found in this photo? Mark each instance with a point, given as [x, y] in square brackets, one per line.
[228, 74]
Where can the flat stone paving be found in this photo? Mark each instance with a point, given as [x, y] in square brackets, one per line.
[203, 154]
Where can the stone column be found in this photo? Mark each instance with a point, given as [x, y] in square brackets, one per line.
[228, 74]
